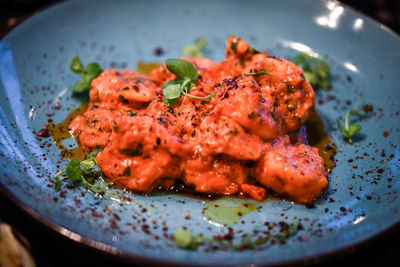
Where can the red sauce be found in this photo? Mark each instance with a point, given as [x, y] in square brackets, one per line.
[247, 138]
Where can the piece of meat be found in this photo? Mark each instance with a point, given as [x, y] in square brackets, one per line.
[113, 87]
[255, 192]
[142, 135]
[240, 99]
[218, 176]
[88, 137]
[137, 173]
[291, 97]
[221, 135]
[296, 172]
[141, 153]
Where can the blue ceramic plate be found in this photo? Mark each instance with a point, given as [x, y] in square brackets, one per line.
[363, 196]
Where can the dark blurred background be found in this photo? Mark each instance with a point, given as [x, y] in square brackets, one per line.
[51, 249]
[385, 11]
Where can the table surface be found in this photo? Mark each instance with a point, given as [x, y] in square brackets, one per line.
[52, 249]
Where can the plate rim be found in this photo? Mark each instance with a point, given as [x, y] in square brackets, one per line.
[120, 255]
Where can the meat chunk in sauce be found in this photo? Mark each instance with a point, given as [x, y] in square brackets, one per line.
[294, 171]
[236, 143]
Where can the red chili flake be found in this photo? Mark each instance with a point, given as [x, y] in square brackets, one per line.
[57, 106]
[113, 224]
[385, 133]
[158, 51]
[368, 197]
[187, 217]
[354, 166]
[350, 187]
[343, 209]
[43, 132]
[380, 171]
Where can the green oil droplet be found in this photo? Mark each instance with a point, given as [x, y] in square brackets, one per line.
[227, 215]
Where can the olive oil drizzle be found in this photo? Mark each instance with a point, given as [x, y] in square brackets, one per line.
[146, 67]
[60, 132]
[319, 138]
[225, 214]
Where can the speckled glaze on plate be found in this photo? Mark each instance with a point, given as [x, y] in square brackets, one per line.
[361, 202]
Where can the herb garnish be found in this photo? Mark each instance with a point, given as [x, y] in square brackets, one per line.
[316, 71]
[88, 73]
[348, 130]
[261, 72]
[187, 75]
[75, 173]
[194, 50]
[184, 238]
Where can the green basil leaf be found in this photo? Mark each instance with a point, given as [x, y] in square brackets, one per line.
[172, 91]
[73, 170]
[171, 82]
[316, 70]
[93, 70]
[83, 85]
[170, 102]
[311, 78]
[76, 65]
[323, 69]
[88, 73]
[353, 129]
[182, 68]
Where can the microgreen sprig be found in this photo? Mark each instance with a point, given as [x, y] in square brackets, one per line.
[74, 171]
[348, 130]
[316, 71]
[187, 75]
[88, 73]
[194, 50]
[261, 72]
[360, 110]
